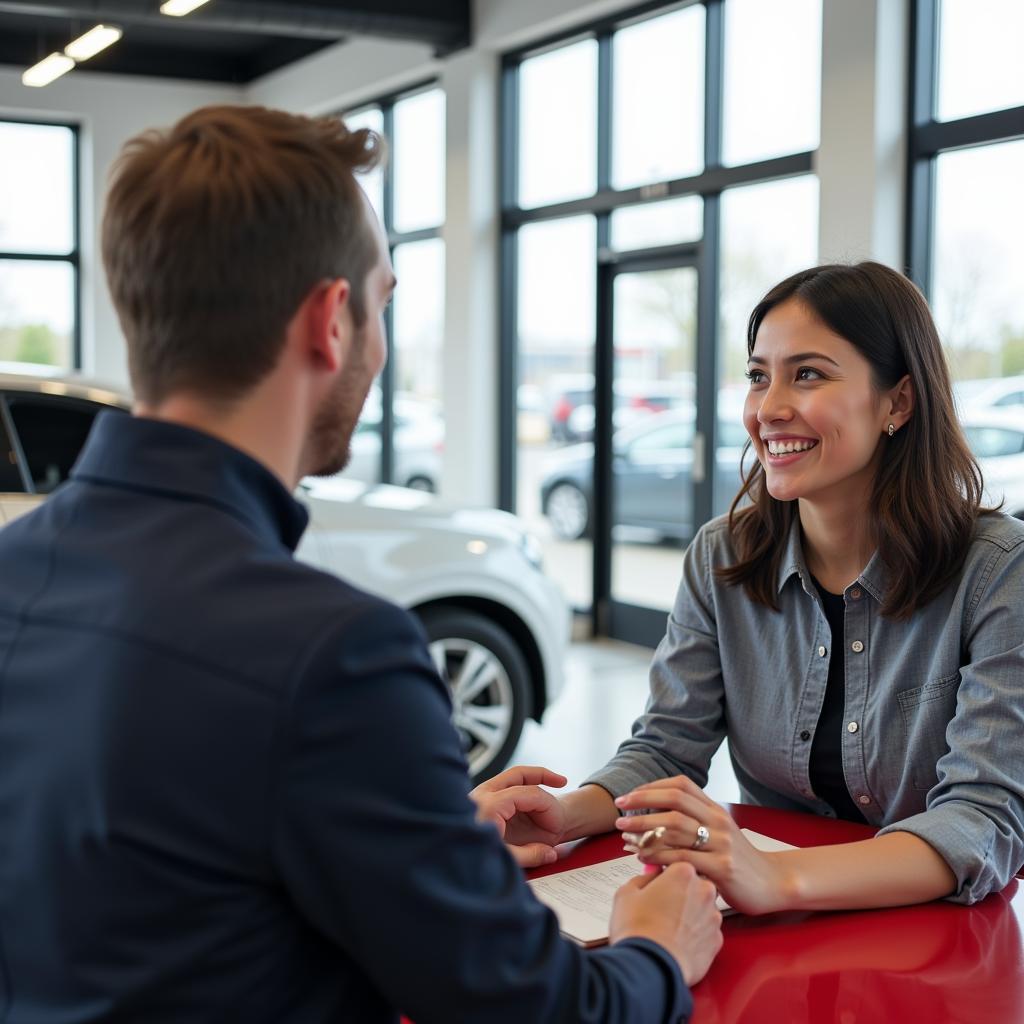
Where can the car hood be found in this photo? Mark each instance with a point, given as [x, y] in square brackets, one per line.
[339, 504]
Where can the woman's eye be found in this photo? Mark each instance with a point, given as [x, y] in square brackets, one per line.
[808, 373]
[755, 376]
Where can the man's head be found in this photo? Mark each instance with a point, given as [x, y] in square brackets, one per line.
[216, 232]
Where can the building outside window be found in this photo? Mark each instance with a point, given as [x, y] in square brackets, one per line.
[39, 258]
[400, 437]
[656, 182]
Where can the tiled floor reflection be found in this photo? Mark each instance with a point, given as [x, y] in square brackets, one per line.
[605, 689]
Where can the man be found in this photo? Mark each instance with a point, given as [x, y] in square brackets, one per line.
[229, 788]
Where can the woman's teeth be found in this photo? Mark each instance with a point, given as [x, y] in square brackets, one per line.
[787, 447]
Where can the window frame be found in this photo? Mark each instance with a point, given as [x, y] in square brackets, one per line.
[386, 104]
[704, 254]
[928, 138]
[74, 257]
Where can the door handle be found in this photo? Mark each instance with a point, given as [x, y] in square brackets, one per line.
[699, 473]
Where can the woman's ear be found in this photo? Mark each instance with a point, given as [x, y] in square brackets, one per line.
[901, 402]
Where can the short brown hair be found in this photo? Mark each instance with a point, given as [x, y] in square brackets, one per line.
[215, 231]
[928, 491]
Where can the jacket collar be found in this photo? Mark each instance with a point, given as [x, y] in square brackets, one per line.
[166, 458]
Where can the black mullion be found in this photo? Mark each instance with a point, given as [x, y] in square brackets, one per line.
[396, 238]
[76, 208]
[387, 377]
[712, 179]
[920, 229]
[662, 257]
[605, 123]
[979, 129]
[714, 79]
[708, 270]
[604, 359]
[42, 257]
[924, 49]
[508, 342]
[603, 512]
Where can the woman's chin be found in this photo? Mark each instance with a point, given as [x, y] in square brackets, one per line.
[782, 490]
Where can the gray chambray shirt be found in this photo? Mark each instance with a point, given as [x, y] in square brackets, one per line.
[934, 736]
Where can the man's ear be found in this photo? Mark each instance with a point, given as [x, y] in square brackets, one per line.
[329, 322]
[901, 402]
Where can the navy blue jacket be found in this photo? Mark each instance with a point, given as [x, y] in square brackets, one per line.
[229, 786]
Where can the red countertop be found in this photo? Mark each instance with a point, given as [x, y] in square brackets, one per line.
[937, 963]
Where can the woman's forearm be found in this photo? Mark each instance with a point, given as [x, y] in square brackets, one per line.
[893, 870]
[589, 811]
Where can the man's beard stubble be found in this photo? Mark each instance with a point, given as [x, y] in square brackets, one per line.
[330, 438]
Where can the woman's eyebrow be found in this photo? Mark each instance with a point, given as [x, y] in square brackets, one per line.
[798, 358]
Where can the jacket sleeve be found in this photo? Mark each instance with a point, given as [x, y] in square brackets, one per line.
[684, 721]
[376, 842]
[974, 815]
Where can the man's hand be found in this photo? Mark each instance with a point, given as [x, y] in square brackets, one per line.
[677, 910]
[528, 818]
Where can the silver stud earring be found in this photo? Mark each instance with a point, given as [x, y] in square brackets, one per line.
[892, 429]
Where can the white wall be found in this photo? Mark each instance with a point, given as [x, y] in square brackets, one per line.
[344, 75]
[862, 154]
[110, 109]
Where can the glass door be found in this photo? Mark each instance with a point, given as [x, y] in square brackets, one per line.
[657, 452]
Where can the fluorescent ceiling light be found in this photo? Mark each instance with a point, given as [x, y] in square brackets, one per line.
[96, 39]
[47, 70]
[177, 8]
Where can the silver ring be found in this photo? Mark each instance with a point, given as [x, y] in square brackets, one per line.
[703, 837]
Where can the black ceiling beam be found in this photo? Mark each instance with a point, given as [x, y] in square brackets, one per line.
[444, 25]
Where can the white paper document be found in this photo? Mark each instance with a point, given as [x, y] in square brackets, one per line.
[582, 898]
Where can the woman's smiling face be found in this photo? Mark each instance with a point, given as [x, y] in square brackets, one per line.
[813, 413]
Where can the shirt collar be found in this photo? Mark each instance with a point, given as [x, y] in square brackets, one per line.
[874, 579]
[167, 458]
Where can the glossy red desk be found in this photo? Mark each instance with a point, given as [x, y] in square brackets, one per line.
[936, 963]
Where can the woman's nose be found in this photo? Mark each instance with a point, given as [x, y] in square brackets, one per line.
[774, 405]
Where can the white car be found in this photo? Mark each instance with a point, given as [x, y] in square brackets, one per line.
[418, 442]
[979, 394]
[497, 626]
[996, 436]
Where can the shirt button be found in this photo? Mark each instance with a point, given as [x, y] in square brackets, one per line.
[856, 647]
[805, 735]
[822, 652]
[855, 593]
[864, 799]
[852, 727]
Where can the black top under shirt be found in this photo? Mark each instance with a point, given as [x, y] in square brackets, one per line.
[826, 768]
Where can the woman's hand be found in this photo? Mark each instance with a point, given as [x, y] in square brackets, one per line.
[751, 881]
[529, 819]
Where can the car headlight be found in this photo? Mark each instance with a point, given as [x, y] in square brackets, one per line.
[531, 549]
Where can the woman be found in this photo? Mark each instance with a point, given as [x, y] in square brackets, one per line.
[855, 629]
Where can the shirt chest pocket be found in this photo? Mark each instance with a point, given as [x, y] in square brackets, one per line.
[927, 711]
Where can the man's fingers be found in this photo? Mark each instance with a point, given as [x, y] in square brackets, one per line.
[533, 855]
[523, 775]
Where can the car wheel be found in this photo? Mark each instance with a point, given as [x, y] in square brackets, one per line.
[420, 483]
[568, 510]
[489, 684]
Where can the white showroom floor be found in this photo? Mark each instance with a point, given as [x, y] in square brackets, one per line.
[605, 689]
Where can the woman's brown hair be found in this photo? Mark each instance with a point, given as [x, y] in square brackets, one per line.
[928, 490]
